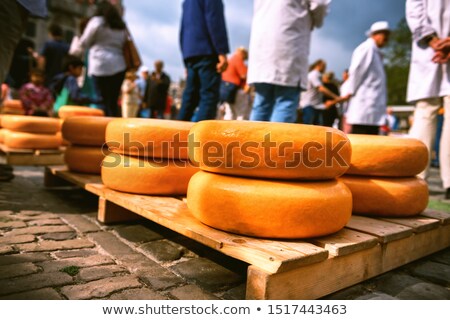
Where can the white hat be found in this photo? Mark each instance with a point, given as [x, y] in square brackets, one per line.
[377, 27]
[144, 69]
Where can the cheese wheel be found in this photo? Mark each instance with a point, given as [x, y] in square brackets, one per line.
[86, 131]
[85, 159]
[387, 197]
[31, 124]
[269, 208]
[66, 112]
[13, 104]
[23, 140]
[270, 150]
[387, 156]
[149, 138]
[2, 134]
[141, 176]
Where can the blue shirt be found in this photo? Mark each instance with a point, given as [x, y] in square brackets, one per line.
[36, 8]
[203, 30]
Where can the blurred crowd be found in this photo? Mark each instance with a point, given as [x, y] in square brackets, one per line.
[272, 80]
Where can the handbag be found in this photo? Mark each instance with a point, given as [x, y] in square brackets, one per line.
[130, 53]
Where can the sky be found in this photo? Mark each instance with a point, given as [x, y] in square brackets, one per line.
[155, 25]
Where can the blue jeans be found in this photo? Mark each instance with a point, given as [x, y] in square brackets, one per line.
[275, 103]
[202, 89]
[312, 116]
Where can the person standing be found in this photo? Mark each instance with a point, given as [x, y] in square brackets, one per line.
[312, 100]
[13, 20]
[53, 53]
[130, 96]
[141, 83]
[158, 85]
[104, 37]
[429, 84]
[204, 46]
[367, 82]
[279, 48]
[234, 91]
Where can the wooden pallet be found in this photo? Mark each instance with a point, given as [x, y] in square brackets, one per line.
[30, 157]
[306, 269]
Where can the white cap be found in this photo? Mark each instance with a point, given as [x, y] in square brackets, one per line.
[144, 69]
[377, 27]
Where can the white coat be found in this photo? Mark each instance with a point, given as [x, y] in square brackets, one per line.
[367, 85]
[280, 40]
[427, 79]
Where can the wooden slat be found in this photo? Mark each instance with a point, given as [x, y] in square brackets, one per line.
[385, 231]
[271, 256]
[79, 179]
[443, 217]
[8, 150]
[418, 224]
[346, 242]
[320, 279]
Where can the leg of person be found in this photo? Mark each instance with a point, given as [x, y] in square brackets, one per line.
[228, 111]
[125, 110]
[242, 105]
[286, 103]
[133, 110]
[114, 91]
[424, 125]
[444, 150]
[13, 18]
[264, 102]
[308, 113]
[190, 94]
[209, 89]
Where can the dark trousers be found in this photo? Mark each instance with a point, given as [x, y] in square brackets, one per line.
[364, 129]
[202, 89]
[108, 87]
[311, 115]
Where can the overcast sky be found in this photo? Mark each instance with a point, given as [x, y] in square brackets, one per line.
[155, 26]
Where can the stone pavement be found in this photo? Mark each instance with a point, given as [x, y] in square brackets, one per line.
[52, 247]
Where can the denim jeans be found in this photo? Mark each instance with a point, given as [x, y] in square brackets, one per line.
[311, 115]
[275, 103]
[202, 89]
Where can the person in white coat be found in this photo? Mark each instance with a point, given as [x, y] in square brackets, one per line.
[279, 48]
[367, 82]
[429, 84]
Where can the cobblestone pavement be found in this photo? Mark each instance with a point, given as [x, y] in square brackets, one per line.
[52, 247]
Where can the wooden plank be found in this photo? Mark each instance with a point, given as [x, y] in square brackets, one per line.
[6, 149]
[52, 181]
[418, 224]
[385, 231]
[109, 212]
[443, 217]
[320, 279]
[79, 179]
[271, 256]
[346, 242]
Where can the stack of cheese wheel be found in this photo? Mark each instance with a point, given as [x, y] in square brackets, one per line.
[14, 107]
[2, 130]
[382, 176]
[27, 132]
[66, 112]
[269, 180]
[87, 149]
[148, 156]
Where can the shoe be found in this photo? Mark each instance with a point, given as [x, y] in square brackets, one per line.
[447, 194]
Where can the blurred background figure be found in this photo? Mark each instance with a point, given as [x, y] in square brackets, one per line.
[157, 88]
[204, 45]
[312, 100]
[141, 82]
[53, 53]
[234, 91]
[104, 37]
[130, 96]
[428, 83]
[37, 99]
[367, 82]
[330, 114]
[279, 49]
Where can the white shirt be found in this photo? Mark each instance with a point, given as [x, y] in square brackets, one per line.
[280, 40]
[426, 78]
[105, 48]
[312, 96]
[367, 84]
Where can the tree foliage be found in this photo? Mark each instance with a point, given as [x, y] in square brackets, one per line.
[398, 57]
